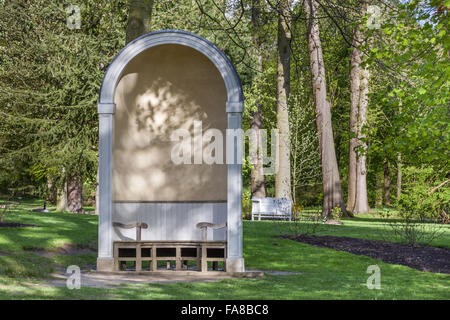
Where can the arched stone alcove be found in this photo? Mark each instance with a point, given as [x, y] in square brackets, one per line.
[161, 82]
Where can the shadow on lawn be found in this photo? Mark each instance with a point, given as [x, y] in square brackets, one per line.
[55, 230]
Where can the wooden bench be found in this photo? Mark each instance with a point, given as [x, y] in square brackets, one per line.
[272, 208]
[145, 255]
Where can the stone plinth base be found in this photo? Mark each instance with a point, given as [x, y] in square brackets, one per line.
[235, 265]
[105, 264]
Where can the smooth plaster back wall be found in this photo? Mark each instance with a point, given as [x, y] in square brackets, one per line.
[163, 89]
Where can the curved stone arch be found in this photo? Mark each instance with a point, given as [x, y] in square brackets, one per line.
[153, 39]
[106, 109]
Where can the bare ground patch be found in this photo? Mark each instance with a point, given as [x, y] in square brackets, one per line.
[16, 225]
[66, 249]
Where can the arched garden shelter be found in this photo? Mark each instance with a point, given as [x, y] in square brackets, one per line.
[161, 82]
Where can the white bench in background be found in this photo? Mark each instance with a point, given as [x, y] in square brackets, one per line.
[272, 208]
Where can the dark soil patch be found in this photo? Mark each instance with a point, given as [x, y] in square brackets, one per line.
[423, 258]
[16, 224]
[67, 249]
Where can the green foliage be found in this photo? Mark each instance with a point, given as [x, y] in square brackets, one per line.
[336, 213]
[246, 204]
[422, 208]
[420, 200]
[410, 98]
[50, 77]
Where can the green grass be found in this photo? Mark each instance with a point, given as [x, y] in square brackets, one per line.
[322, 273]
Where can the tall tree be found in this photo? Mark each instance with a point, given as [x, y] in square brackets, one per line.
[139, 18]
[258, 179]
[355, 82]
[359, 90]
[361, 200]
[332, 191]
[283, 176]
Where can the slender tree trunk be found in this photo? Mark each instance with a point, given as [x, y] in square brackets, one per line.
[139, 18]
[387, 184]
[258, 179]
[75, 194]
[359, 89]
[51, 192]
[361, 201]
[332, 191]
[61, 202]
[399, 176]
[283, 176]
[399, 170]
[355, 80]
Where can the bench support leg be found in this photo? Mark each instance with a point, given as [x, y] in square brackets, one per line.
[178, 257]
[199, 259]
[154, 261]
[138, 263]
[204, 262]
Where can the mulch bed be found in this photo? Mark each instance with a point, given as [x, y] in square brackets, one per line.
[423, 258]
[16, 224]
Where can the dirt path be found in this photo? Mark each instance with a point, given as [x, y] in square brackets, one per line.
[113, 280]
[423, 258]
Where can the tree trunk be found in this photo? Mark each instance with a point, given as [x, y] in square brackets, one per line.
[258, 179]
[332, 191]
[283, 176]
[61, 203]
[399, 169]
[361, 201]
[75, 194]
[387, 184]
[139, 18]
[359, 89]
[355, 80]
[51, 192]
[399, 176]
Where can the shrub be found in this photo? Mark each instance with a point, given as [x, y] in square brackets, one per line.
[424, 197]
[304, 222]
[411, 231]
[246, 205]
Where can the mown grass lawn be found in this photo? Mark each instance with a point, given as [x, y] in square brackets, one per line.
[322, 273]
